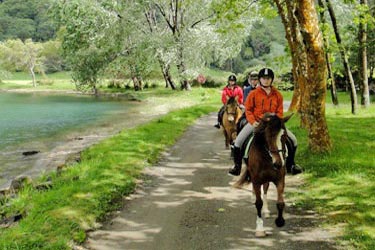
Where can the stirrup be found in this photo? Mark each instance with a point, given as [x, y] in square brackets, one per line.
[295, 169]
[217, 125]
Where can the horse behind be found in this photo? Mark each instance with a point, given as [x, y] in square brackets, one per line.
[266, 163]
[232, 114]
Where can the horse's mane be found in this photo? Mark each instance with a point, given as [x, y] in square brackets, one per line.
[267, 119]
[231, 101]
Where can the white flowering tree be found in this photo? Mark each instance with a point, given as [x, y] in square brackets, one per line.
[137, 35]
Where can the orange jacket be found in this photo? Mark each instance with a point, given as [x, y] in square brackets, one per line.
[258, 103]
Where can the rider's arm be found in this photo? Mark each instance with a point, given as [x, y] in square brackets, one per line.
[249, 106]
[224, 96]
[240, 95]
[280, 106]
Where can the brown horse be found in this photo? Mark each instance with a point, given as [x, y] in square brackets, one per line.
[266, 163]
[232, 113]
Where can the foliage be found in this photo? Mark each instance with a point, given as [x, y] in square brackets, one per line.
[22, 56]
[26, 19]
[52, 56]
[88, 45]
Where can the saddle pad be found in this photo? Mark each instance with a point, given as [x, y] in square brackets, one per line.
[247, 148]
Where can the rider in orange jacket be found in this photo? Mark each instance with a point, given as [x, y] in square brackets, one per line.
[261, 100]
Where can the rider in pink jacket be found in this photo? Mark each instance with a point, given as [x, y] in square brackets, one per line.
[231, 90]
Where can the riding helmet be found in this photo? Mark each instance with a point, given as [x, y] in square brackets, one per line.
[232, 78]
[253, 75]
[266, 72]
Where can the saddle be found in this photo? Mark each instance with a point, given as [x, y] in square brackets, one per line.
[246, 145]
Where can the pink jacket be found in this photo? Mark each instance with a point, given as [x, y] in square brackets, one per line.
[232, 92]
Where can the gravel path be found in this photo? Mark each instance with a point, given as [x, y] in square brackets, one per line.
[186, 202]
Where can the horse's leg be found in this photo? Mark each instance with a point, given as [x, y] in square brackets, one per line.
[226, 138]
[259, 231]
[266, 211]
[280, 203]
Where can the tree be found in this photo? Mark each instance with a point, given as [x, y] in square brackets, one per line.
[161, 43]
[25, 56]
[344, 57]
[90, 42]
[25, 19]
[293, 35]
[309, 68]
[314, 95]
[362, 54]
[52, 56]
[331, 77]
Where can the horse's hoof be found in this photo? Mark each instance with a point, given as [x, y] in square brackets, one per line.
[280, 222]
[260, 234]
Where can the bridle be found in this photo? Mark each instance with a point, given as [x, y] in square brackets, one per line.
[283, 149]
[231, 113]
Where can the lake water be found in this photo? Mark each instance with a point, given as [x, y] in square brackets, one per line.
[44, 122]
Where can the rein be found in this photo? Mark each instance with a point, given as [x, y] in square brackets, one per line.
[283, 149]
[231, 113]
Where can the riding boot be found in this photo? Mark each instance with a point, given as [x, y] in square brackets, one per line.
[236, 170]
[219, 118]
[291, 166]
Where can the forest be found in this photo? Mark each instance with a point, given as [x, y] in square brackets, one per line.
[253, 29]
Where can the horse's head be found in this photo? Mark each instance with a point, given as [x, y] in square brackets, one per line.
[274, 132]
[231, 109]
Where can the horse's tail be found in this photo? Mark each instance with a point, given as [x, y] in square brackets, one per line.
[244, 179]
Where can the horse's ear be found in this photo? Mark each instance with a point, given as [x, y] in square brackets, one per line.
[285, 119]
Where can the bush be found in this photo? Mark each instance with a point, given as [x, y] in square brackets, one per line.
[45, 82]
[115, 83]
[212, 82]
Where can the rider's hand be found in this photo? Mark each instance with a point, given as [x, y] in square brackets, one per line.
[255, 124]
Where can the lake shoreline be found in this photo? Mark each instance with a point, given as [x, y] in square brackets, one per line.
[68, 148]
[114, 95]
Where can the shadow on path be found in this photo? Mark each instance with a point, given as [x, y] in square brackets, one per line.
[187, 202]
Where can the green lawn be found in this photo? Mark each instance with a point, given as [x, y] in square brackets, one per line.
[341, 183]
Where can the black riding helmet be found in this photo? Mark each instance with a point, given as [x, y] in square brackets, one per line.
[232, 78]
[266, 72]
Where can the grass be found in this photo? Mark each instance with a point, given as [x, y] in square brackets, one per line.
[63, 81]
[87, 191]
[341, 184]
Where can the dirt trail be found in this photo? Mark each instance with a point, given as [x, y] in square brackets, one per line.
[187, 202]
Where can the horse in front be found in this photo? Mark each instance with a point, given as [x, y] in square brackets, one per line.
[266, 163]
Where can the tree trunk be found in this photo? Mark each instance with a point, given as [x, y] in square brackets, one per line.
[165, 70]
[331, 77]
[182, 70]
[33, 75]
[287, 10]
[169, 79]
[300, 57]
[136, 83]
[314, 99]
[362, 37]
[344, 58]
